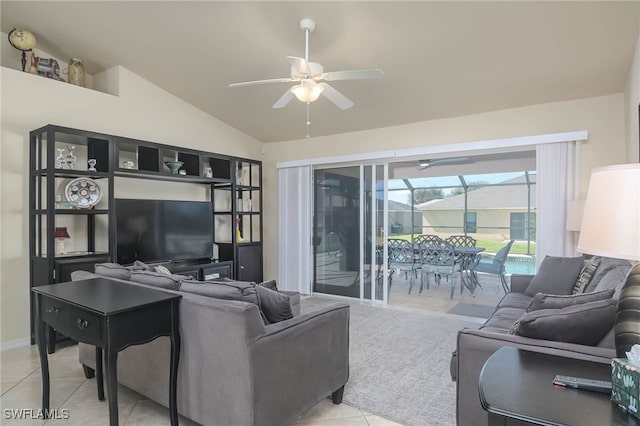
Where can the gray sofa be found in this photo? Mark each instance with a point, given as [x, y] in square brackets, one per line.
[234, 369]
[475, 346]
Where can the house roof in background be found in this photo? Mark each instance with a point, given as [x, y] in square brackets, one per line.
[493, 197]
[440, 59]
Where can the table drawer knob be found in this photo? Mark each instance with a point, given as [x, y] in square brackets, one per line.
[82, 323]
[53, 310]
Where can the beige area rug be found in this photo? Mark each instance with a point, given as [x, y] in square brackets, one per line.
[399, 362]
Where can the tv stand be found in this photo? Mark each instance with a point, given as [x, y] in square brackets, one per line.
[202, 269]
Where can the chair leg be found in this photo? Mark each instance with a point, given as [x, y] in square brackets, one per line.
[505, 287]
[453, 286]
[410, 283]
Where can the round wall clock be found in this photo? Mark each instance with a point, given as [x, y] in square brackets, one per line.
[83, 193]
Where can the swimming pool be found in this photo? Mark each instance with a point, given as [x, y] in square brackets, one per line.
[516, 264]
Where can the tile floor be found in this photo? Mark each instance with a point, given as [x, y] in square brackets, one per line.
[21, 387]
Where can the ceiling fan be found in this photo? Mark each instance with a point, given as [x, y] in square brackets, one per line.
[311, 78]
[423, 164]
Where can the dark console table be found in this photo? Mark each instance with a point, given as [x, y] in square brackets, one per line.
[112, 316]
[516, 388]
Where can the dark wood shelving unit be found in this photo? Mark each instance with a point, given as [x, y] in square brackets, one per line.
[239, 235]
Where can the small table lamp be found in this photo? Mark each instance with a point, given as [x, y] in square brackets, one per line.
[611, 227]
[61, 234]
[24, 41]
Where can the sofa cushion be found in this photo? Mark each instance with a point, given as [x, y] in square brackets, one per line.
[613, 279]
[553, 301]
[140, 266]
[584, 324]
[556, 275]
[606, 265]
[586, 273]
[158, 279]
[275, 306]
[112, 270]
[503, 319]
[227, 290]
[515, 300]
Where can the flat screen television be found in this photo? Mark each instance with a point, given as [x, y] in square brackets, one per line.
[161, 230]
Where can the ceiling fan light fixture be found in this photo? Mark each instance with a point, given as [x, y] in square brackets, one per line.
[307, 91]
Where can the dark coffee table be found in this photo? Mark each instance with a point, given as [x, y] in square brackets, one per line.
[516, 387]
[112, 316]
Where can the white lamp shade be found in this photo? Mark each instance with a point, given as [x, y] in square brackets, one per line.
[611, 219]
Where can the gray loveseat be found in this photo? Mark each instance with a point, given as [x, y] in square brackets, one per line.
[475, 346]
[234, 369]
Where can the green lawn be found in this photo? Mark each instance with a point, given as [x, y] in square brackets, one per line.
[492, 246]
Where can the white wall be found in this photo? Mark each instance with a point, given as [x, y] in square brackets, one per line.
[632, 102]
[603, 117]
[142, 111]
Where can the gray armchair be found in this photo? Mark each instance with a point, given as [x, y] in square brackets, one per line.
[234, 369]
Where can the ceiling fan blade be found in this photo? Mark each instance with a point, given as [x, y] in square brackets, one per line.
[300, 64]
[271, 80]
[336, 97]
[352, 75]
[422, 164]
[284, 100]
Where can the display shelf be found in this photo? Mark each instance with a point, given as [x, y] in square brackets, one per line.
[234, 185]
[72, 211]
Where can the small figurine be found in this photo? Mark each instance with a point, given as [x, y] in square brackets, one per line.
[33, 68]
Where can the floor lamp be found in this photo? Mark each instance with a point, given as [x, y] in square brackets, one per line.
[611, 228]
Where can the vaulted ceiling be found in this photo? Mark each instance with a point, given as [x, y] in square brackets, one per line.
[440, 59]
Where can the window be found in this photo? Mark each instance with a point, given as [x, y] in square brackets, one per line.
[520, 223]
[470, 222]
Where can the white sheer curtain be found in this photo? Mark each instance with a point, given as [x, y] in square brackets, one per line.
[295, 228]
[554, 187]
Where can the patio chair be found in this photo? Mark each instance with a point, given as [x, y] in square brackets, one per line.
[496, 267]
[401, 258]
[461, 241]
[427, 239]
[438, 259]
[419, 242]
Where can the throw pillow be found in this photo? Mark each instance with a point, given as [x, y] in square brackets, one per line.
[275, 306]
[157, 279]
[112, 270]
[588, 269]
[271, 285]
[162, 270]
[139, 266]
[556, 275]
[584, 324]
[553, 301]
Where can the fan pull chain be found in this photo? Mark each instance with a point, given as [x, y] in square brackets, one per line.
[308, 121]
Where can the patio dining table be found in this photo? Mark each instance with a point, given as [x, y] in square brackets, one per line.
[467, 256]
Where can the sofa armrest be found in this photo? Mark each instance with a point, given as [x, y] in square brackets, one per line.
[297, 360]
[519, 282]
[476, 346]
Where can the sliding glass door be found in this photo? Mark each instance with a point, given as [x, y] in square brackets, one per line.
[348, 230]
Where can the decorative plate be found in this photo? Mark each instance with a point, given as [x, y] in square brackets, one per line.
[83, 193]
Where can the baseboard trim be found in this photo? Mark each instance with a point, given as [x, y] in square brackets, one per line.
[13, 344]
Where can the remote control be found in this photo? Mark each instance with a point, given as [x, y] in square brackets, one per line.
[582, 383]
